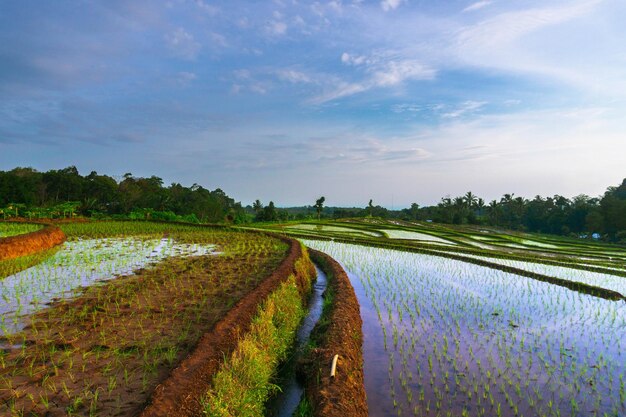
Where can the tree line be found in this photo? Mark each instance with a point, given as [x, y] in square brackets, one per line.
[580, 216]
[26, 192]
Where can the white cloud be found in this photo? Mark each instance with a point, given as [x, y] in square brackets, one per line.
[246, 81]
[382, 72]
[478, 5]
[364, 150]
[348, 59]
[259, 88]
[406, 108]
[336, 5]
[388, 5]
[293, 76]
[510, 26]
[466, 107]
[338, 90]
[276, 26]
[182, 44]
[207, 8]
[396, 72]
[547, 41]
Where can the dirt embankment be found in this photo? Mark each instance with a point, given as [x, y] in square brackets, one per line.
[339, 333]
[180, 394]
[30, 243]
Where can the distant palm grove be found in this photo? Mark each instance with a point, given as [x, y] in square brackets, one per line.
[25, 192]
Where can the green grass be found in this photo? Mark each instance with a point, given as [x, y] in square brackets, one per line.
[14, 229]
[305, 409]
[129, 228]
[245, 380]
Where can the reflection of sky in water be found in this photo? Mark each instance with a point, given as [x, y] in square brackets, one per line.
[610, 282]
[540, 344]
[80, 264]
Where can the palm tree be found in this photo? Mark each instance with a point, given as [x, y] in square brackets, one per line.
[470, 199]
[494, 209]
[319, 205]
[257, 206]
[480, 205]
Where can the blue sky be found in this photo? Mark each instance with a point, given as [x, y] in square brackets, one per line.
[399, 101]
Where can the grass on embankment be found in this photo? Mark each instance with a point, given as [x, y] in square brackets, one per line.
[245, 381]
[8, 229]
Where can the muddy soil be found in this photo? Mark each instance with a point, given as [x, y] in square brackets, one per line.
[338, 333]
[30, 243]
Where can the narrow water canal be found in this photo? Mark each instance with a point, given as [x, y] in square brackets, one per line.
[286, 402]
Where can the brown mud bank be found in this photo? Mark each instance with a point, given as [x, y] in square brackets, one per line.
[181, 393]
[339, 333]
[31, 243]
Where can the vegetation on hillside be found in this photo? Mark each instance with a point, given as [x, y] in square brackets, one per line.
[26, 192]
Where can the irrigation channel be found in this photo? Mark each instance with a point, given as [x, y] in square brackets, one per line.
[286, 401]
[448, 338]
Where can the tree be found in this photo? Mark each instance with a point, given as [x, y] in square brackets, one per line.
[257, 206]
[470, 199]
[319, 205]
[412, 213]
[494, 213]
[269, 212]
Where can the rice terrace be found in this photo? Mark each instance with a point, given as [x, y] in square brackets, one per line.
[128, 318]
[329, 208]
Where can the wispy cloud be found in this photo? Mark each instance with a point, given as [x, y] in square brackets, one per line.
[293, 76]
[511, 26]
[339, 148]
[381, 72]
[465, 107]
[478, 5]
[388, 5]
[207, 8]
[182, 44]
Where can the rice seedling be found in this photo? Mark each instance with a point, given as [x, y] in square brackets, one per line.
[483, 342]
[8, 229]
[95, 327]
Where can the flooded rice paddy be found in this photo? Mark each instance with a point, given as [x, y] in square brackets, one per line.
[447, 338]
[78, 264]
[404, 234]
[597, 279]
[337, 229]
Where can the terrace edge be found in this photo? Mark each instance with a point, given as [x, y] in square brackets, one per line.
[344, 394]
[181, 393]
[30, 243]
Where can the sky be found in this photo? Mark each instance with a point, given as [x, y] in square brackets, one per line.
[398, 101]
